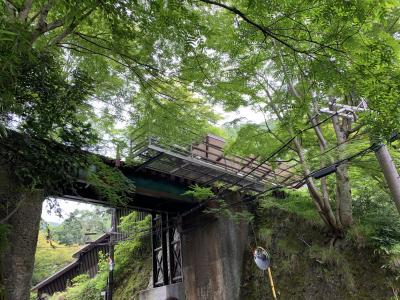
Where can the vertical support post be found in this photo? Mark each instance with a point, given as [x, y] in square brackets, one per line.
[154, 246]
[160, 250]
[171, 251]
[175, 256]
[110, 280]
[271, 282]
[207, 141]
[164, 233]
[390, 172]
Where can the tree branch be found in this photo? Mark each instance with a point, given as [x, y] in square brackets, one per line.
[85, 50]
[23, 15]
[265, 30]
[87, 39]
[42, 26]
[44, 11]
[55, 24]
[70, 28]
[12, 212]
[11, 7]
[33, 18]
[355, 129]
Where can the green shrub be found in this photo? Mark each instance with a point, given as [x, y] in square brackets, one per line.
[377, 220]
[296, 202]
[199, 193]
[50, 258]
[132, 257]
[87, 288]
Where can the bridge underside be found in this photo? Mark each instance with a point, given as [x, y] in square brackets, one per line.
[164, 173]
[207, 163]
[154, 192]
[161, 180]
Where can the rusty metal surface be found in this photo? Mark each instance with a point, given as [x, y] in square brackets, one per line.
[206, 163]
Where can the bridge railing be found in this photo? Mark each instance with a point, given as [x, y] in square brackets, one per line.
[207, 162]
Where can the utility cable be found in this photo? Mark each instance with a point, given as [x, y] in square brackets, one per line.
[149, 231]
[274, 153]
[251, 198]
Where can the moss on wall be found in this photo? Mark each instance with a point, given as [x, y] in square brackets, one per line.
[306, 266]
[132, 259]
[135, 279]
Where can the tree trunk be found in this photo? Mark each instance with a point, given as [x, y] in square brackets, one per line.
[18, 260]
[322, 147]
[390, 172]
[324, 211]
[344, 209]
[322, 204]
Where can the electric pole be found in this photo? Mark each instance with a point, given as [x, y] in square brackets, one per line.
[381, 151]
[110, 280]
[390, 172]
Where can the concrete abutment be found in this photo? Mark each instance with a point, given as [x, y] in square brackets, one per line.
[212, 258]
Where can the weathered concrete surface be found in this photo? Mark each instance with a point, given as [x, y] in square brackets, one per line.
[172, 291]
[212, 256]
[18, 259]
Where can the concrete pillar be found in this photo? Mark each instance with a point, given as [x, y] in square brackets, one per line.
[390, 172]
[212, 254]
[17, 261]
[166, 292]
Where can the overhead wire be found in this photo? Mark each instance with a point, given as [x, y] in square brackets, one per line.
[347, 159]
[247, 199]
[151, 231]
[276, 152]
[273, 154]
[287, 143]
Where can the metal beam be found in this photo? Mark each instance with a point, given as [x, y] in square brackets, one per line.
[203, 164]
[149, 161]
[103, 203]
[178, 168]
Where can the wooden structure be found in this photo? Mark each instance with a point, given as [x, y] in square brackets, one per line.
[86, 259]
[86, 262]
[166, 248]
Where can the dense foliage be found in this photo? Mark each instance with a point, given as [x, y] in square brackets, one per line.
[109, 183]
[376, 225]
[107, 76]
[80, 227]
[132, 266]
[132, 257]
[83, 287]
[51, 257]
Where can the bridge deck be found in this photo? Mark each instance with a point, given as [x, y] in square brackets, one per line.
[164, 174]
[206, 163]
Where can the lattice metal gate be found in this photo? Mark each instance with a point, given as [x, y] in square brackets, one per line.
[166, 247]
